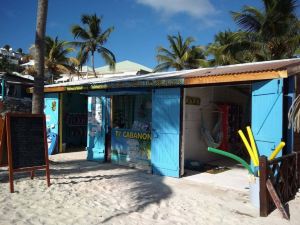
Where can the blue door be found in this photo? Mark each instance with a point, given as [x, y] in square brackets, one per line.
[96, 128]
[165, 150]
[267, 115]
[51, 110]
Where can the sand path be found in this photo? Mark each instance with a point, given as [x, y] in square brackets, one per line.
[90, 193]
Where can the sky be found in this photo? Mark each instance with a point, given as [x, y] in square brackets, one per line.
[140, 26]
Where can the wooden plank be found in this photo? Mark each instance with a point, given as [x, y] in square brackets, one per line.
[9, 153]
[236, 77]
[263, 193]
[276, 199]
[49, 89]
[3, 148]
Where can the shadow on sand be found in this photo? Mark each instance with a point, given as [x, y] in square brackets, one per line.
[145, 189]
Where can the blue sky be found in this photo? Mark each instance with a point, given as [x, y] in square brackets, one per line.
[140, 25]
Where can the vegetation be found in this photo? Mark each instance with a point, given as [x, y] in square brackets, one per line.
[7, 47]
[268, 34]
[56, 57]
[180, 55]
[92, 40]
[271, 33]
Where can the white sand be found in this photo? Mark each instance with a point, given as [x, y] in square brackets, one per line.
[90, 193]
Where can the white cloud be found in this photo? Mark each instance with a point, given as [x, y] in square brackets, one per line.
[195, 8]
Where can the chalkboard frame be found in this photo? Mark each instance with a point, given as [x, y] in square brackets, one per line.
[10, 152]
[3, 148]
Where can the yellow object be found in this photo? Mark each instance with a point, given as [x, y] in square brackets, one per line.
[60, 122]
[255, 162]
[253, 145]
[277, 150]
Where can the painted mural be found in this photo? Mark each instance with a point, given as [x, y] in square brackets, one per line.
[131, 147]
[51, 112]
[96, 128]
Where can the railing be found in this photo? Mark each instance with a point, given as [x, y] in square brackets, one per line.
[279, 182]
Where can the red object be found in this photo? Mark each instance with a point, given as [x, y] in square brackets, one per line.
[224, 109]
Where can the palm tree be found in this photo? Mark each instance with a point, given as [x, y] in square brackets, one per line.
[7, 47]
[92, 40]
[19, 50]
[56, 57]
[222, 52]
[272, 33]
[57, 60]
[182, 55]
[38, 90]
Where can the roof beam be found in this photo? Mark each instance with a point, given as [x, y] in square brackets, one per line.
[229, 78]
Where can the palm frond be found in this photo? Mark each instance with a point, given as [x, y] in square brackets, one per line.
[162, 67]
[108, 57]
[80, 32]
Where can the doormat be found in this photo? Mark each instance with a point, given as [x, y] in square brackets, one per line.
[203, 167]
[217, 169]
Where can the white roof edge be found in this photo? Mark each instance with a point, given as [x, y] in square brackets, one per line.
[167, 74]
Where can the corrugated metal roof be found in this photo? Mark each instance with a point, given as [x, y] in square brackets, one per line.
[275, 65]
[257, 67]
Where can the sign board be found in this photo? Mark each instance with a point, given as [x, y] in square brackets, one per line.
[128, 84]
[131, 147]
[192, 100]
[26, 144]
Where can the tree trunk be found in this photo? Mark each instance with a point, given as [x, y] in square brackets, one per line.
[38, 89]
[93, 63]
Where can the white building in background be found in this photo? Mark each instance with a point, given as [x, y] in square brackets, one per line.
[12, 56]
[28, 64]
[123, 68]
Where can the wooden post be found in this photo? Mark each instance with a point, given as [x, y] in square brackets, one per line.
[9, 155]
[263, 191]
[46, 152]
[277, 200]
[32, 174]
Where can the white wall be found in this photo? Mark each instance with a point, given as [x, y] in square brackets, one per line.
[195, 147]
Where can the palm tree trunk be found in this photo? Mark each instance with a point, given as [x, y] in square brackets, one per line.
[38, 89]
[93, 63]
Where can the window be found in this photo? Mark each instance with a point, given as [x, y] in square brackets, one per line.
[132, 112]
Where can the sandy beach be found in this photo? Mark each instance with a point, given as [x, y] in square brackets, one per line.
[85, 192]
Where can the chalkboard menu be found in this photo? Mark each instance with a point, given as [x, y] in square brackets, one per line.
[26, 145]
[27, 141]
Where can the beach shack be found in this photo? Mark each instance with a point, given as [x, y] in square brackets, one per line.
[161, 122]
[13, 94]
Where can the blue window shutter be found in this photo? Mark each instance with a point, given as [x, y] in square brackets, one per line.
[165, 150]
[96, 128]
[267, 115]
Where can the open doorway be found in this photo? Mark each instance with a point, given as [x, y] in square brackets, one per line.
[212, 118]
[74, 122]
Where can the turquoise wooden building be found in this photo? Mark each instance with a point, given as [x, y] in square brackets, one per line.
[162, 121]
